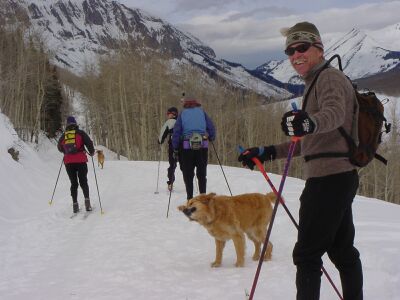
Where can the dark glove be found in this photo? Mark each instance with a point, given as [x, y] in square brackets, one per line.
[261, 153]
[175, 155]
[297, 123]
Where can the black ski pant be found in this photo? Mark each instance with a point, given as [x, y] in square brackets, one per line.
[189, 160]
[77, 171]
[172, 164]
[326, 226]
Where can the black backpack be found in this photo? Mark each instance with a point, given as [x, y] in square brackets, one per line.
[370, 122]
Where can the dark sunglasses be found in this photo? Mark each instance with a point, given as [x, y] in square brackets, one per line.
[300, 48]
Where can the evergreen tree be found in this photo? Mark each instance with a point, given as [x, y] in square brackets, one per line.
[53, 100]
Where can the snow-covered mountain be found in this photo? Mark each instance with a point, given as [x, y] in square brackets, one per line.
[362, 56]
[388, 37]
[77, 31]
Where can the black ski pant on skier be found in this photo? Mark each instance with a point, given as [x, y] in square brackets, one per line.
[172, 164]
[189, 160]
[77, 171]
[326, 226]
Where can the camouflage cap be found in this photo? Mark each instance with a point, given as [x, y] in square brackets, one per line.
[303, 32]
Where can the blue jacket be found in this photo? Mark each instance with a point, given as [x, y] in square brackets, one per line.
[192, 120]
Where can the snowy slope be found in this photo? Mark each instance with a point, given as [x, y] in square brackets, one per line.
[133, 251]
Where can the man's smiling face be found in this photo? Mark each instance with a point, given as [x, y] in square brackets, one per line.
[304, 62]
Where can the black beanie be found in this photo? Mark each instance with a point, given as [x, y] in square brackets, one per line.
[173, 110]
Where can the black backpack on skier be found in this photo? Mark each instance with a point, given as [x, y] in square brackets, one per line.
[370, 123]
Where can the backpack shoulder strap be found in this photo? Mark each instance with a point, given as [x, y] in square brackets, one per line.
[380, 158]
[346, 136]
[326, 65]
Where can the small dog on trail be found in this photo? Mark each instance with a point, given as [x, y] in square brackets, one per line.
[230, 218]
[100, 158]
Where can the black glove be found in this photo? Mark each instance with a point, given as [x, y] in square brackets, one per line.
[297, 123]
[261, 153]
[175, 155]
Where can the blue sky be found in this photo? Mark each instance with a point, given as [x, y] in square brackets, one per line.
[247, 31]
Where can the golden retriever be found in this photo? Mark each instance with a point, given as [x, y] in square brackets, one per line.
[230, 218]
[100, 158]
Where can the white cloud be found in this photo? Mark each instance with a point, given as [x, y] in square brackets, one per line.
[233, 33]
[191, 5]
[246, 29]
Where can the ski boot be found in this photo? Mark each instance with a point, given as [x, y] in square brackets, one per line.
[170, 187]
[75, 207]
[87, 204]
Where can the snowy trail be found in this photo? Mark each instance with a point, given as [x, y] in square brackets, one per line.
[133, 251]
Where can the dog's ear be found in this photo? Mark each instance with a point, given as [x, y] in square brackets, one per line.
[205, 198]
[181, 207]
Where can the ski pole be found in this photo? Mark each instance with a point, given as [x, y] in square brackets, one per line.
[98, 193]
[271, 223]
[219, 162]
[262, 170]
[196, 181]
[59, 171]
[274, 190]
[158, 170]
[169, 201]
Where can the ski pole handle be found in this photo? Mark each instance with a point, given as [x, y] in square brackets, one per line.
[295, 138]
[254, 159]
[240, 149]
[260, 166]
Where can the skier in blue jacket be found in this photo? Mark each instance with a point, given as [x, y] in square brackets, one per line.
[192, 132]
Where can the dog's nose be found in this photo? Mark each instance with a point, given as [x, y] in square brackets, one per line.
[189, 211]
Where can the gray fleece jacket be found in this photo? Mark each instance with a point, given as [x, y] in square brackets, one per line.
[331, 103]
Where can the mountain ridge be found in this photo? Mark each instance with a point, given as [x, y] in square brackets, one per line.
[362, 57]
[79, 31]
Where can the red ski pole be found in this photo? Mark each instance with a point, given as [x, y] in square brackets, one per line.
[271, 223]
[260, 167]
[274, 190]
[292, 147]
